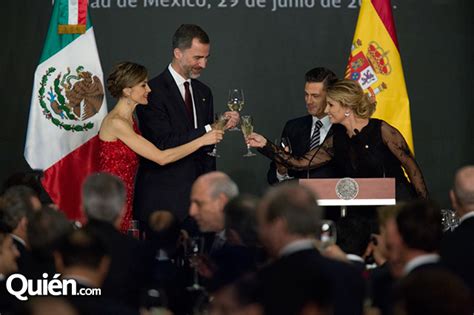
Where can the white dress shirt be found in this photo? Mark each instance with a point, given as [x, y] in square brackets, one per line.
[323, 132]
[297, 246]
[466, 216]
[179, 80]
[420, 260]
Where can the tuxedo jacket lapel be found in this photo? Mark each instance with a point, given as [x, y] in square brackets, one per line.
[176, 95]
[199, 105]
[302, 136]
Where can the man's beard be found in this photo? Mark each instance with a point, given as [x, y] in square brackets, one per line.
[188, 70]
[193, 75]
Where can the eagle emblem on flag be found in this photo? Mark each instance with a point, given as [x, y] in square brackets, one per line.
[70, 98]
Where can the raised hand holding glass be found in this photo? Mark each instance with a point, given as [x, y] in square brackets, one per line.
[246, 123]
[235, 102]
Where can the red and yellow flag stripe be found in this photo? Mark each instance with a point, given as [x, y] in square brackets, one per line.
[376, 64]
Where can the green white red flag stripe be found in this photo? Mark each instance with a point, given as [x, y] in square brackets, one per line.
[73, 16]
[67, 108]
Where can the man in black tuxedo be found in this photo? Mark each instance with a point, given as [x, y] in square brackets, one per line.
[413, 238]
[17, 206]
[103, 199]
[288, 218]
[310, 131]
[209, 195]
[457, 248]
[180, 109]
[83, 257]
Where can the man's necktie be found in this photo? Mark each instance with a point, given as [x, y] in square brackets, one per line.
[315, 137]
[188, 101]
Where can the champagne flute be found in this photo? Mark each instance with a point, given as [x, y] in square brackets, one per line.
[327, 234]
[194, 249]
[247, 128]
[220, 120]
[235, 102]
[286, 145]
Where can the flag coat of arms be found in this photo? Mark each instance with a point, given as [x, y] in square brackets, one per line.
[67, 106]
[376, 64]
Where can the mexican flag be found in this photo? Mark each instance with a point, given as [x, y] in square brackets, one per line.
[67, 106]
[376, 64]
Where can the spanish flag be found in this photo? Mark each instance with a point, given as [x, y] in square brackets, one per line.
[376, 64]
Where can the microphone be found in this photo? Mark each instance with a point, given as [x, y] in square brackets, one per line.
[314, 155]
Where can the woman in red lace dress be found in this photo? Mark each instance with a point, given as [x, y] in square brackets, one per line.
[120, 139]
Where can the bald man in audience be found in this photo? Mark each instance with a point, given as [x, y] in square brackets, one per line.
[457, 248]
[209, 195]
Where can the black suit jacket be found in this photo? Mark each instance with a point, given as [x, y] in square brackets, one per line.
[298, 130]
[457, 251]
[24, 258]
[286, 280]
[130, 265]
[165, 123]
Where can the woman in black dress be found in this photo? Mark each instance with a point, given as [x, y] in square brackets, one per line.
[361, 147]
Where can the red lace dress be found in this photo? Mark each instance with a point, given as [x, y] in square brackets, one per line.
[117, 158]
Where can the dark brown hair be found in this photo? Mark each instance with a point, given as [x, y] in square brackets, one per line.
[125, 74]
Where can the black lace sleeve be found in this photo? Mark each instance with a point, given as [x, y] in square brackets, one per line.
[322, 156]
[394, 140]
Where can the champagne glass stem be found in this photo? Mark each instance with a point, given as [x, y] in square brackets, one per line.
[249, 152]
[214, 152]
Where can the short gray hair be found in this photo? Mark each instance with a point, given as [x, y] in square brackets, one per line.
[103, 197]
[295, 204]
[221, 183]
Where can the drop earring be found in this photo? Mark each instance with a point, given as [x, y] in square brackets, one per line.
[346, 114]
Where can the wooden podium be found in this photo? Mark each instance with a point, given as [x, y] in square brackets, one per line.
[371, 192]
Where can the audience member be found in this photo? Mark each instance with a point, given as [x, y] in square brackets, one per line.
[434, 292]
[209, 195]
[381, 280]
[353, 237]
[31, 179]
[241, 253]
[83, 257]
[240, 297]
[18, 204]
[457, 250]
[288, 217]
[104, 202]
[170, 266]
[414, 237]
[45, 229]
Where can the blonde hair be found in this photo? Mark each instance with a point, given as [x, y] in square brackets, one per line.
[350, 94]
